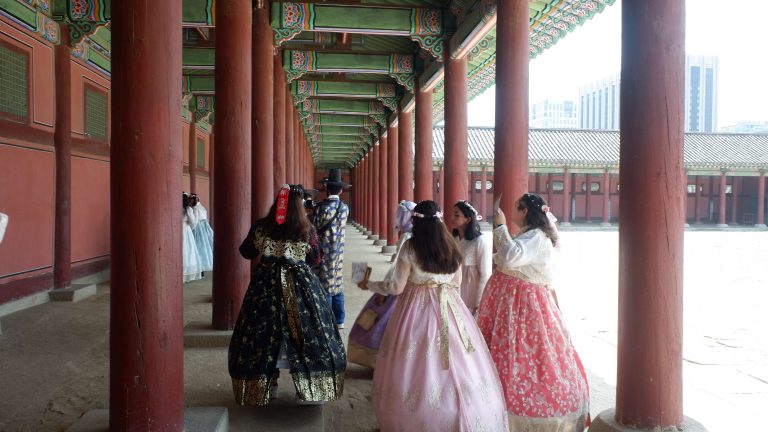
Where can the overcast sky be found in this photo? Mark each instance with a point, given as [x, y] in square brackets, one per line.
[736, 32]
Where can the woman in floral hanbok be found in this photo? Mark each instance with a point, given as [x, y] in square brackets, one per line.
[434, 371]
[365, 336]
[544, 382]
[476, 250]
[285, 320]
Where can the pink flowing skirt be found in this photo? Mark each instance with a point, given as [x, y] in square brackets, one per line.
[545, 385]
[413, 390]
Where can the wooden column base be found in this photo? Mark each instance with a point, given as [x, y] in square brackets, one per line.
[606, 422]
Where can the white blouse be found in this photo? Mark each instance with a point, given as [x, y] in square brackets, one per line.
[527, 256]
[477, 252]
[405, 270]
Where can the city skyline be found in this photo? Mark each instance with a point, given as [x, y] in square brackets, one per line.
[593, 51]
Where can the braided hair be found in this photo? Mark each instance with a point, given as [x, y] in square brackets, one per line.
[536, 216]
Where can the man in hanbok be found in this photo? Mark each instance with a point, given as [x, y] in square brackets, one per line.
[330, 219]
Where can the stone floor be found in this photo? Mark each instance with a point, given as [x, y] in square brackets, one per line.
[54, 357]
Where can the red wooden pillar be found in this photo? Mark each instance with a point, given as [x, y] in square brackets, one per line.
[146, 386]
[606, 198]
[649, 385]
[484, 192]
[192, 146]
[761, 200]
[511, 139]
[566, 220]
[722, 202]
[697, 212]
[441, 187]
[62, 138]
[263, 122]
[368, 191]
[233, 159]
[289, 154]
[392, 179]
[471, 195]
[549, 189]
[456, 164]
[588, 198]
[734, 200]
[211, 175]
[423, 151]
[405, 156]
[383, 183]
[279, 133]
[376, 190]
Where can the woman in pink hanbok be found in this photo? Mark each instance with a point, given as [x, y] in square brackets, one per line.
[434, 371]
[544, 382]
[476, 250]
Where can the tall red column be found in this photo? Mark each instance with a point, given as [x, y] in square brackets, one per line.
[588, 197]
[566, 198]
[649, 385]
[146, 373]
[511, 140]
[392, 180]
[233, 159]
[471, 195]
[405, 156]
[734, 200]
[423, 151]
[456, 164]
[697, 212]
[722, 202]
[263, 122]
[192, 146]
[484, 191]
[62, 138]
[367, 191]
[376, 190]
[440, 198]
[606, 198]
[549, 189]
[278, 134]
[289, 138]
[761, 200]
[383, 195]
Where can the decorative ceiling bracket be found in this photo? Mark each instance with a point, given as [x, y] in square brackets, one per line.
[389, 102]
[434, 45]
[380, 119]
[293, 18]
[405, 80]
[204, 106]
[85, 17]
[294, 74]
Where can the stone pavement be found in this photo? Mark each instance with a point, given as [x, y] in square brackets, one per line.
[54, 357]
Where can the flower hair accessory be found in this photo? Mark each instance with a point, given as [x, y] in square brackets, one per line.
[474, 211]
[282, 204]
[545, 209]
[437, 215]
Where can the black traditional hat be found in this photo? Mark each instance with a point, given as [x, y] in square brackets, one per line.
[334, 179]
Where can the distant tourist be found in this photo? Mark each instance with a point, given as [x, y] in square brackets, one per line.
[545, 385]
[285, 321]
[476, 268]
[434, 371]
[3, 225]
[190, 255]
[203, 233]
[330, 219]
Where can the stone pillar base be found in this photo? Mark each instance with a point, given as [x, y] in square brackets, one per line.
[201, 334]
[196, 419]
[380, 243]
[722, 225]
[605, 224]
[367, 232]
[373, 237]
[606, 422]
[760, 226]
[564, 224]
[73, 294]
[389, 249]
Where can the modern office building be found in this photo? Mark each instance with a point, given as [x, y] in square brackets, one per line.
[554, 115]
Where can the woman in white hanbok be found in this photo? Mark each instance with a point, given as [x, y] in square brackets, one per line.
[476, 249]
[203, 233]
[190, 257]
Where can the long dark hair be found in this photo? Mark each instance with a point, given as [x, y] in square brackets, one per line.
[184, 201]
[536, 217]
[436, 251]
[296, 226]
[472, 230]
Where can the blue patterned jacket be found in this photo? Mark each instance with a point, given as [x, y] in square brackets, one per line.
[330, 231]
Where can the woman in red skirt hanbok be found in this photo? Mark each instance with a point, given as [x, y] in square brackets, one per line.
[545, 386]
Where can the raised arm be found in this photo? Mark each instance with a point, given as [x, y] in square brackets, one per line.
[514, 252]
[484, 262]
